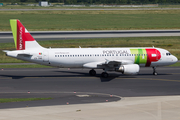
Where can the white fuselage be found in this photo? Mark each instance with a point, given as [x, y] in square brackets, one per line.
[77, 57]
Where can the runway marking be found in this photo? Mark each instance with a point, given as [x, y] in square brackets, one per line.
[174, 73]
[153, 79]
[57, 92]
[159, 79]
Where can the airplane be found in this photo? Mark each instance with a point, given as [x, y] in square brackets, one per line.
[125, 60]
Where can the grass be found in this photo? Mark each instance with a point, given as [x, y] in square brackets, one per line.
[7, 100]
[24, 66]
[175, 65]
[169, 43]
[93, 20]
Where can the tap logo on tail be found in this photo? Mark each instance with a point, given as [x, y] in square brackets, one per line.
[20, 34]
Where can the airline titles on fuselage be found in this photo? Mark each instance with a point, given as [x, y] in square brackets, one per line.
[104, 52]
[115, 52]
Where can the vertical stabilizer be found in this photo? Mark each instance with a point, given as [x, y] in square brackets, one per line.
[22, 38]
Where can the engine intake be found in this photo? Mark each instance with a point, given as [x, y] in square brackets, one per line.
[128, 69]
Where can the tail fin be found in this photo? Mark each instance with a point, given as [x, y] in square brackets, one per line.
[22, 38]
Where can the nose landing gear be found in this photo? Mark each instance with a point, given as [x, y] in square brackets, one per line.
[154, 71]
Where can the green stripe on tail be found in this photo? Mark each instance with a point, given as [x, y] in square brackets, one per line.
[13, 23]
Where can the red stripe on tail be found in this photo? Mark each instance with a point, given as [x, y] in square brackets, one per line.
[22, 36]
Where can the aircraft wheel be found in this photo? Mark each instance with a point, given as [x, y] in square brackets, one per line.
[155, 73]
[105, 75]
[92, 72]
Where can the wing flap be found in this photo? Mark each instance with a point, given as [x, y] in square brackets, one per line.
[93, 64]
[108, 63]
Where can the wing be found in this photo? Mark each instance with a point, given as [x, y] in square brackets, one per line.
[107, 63]
[17, 53]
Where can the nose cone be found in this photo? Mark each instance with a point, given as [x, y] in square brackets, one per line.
[174, 59]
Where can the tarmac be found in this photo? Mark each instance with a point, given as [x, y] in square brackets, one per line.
[129, 108]
[78, 96]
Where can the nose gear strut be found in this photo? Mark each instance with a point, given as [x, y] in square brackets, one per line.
[154, 71]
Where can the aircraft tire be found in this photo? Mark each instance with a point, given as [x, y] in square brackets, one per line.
[105, 75]
[92, 72]
[155, 73]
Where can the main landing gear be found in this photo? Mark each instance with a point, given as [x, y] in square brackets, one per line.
[154, 71]
[92, 72]
[103, 74]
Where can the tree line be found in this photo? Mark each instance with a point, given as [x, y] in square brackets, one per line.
[109, 2]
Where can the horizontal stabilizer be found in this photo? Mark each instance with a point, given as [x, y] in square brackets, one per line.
[5, 50]
[25, 54]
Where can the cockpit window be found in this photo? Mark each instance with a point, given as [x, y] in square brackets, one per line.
[168, 54]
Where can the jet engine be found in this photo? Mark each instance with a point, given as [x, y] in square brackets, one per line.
[128, 69]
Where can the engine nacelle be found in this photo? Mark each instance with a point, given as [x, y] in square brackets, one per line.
[128, 69]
